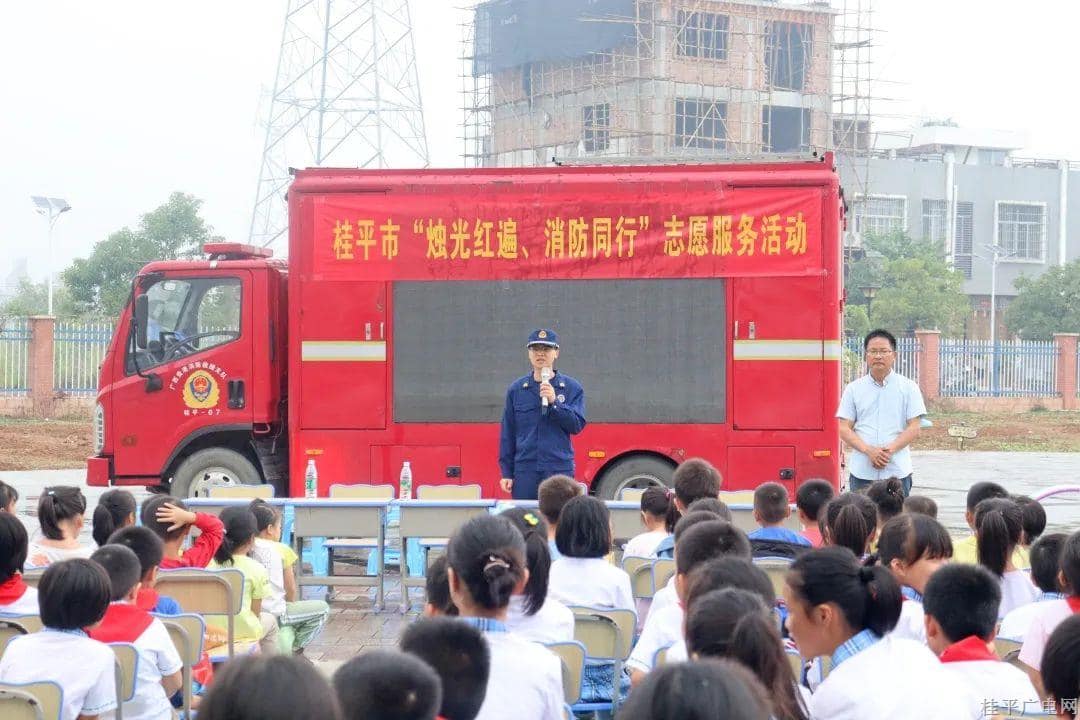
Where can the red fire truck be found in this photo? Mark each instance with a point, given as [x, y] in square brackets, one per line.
[699, 306]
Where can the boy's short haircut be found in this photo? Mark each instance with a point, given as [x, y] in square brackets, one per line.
[122, 565]
[695, 478]
[148, 516]
[459, 654]
[710, 504]
[691, 519]
[1033, 515]
[1070, 563]
[708, 540]
[771, 502]
[1061, 665]
[983, 490]
[387, 685]
[964, 600]
[921, 505]
[73, 594]
[812, 495]
[1045, 559]
[146, 545]
[729, 572]
[555, 492]
[437, 586]
[14, 544]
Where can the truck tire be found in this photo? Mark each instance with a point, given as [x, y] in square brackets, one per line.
[213, 467]
[636, 471]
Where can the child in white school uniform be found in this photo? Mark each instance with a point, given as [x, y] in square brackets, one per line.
[658, 515]
[72, 595]
[961, 615]
[60, 514]
[158, 670]
[1061, 668]
[1045, 556]
[839, 608]
[998, 530]
[487, 564]
[534, 614]
[912, 547]
[16, 597]
[1053, 613]
[668, 595]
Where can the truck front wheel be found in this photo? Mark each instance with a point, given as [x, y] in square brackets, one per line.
[213, 467]
[636, 472]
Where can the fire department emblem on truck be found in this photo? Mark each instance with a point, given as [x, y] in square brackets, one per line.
[201, 390]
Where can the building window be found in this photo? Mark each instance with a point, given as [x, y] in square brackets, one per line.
[1021, 229]
[880, 215]
[702, 35]
[935, 215]
[784, 129]
[596, 127]
[963, 238]
[700, 124]
[787, 54]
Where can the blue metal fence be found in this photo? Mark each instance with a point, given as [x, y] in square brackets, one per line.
[78, 349]
[1010, 368]
[907, 358]
[14, 355]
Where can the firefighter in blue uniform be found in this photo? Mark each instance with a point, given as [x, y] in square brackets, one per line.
[538, 420]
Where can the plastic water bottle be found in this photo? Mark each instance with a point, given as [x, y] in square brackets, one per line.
[311, 480]
[405, 481]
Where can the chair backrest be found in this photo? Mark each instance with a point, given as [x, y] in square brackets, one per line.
[776, 568]
[32, 577]
[362, 492]
[572, 656]
[796, 662]
[187, 633]
[640, 570]
[631, 494]
[206, 592]
[660, 656]
[448, 492]
[737, 497]
[29, 623]
[9, 630]
[596, 625]
[663, 570]
[1006, 649]
[31, 701]
[264, 491]
[127, 665]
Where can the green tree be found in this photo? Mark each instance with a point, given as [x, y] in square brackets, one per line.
[100, 284]
[1047, 304]
[33, 299]
[856, 322]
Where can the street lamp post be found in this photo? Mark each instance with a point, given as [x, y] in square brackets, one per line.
[997, 254]
[52, 208]
[869, 291]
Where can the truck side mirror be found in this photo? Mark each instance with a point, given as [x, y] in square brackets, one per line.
[141, 317]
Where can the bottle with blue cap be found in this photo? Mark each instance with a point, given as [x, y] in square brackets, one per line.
[405, 481]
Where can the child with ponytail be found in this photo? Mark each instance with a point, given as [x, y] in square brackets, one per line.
[533, 614]
[487, 565]
[913, 547]
[60, 513]
[251, 623]
[999, 526]
[849, 520]
[115, 510]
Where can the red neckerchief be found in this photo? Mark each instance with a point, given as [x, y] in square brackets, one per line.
[122, 623]
[970, 648]
[12, 589]
[147, 599]
[1074, 603]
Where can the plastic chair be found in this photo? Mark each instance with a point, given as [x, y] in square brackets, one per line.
[448, 492]
[9, 630]
[29, 623]
[663, 570]
[572, 656]
[737, 497]
[796, 662]
[608, 636]
[631, 494]
[31, 701]
[187, 632]
[640, 570]
[660, 656]
[1007, 650]
[127, 665]
[355, 492]
[264, 491]
[32, 577]
[206, 592]
[776, 568]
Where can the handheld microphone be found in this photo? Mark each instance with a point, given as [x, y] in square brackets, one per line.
[545, 375]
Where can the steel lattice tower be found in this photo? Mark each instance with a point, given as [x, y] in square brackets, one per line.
[346, 94]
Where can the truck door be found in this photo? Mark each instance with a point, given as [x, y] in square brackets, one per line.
[200, 349]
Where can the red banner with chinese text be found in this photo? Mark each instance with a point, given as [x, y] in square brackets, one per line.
[751, 231]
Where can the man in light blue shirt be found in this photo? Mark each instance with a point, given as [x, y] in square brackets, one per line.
[879, 416]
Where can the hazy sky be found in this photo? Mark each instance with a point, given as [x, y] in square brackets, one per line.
[114, 105]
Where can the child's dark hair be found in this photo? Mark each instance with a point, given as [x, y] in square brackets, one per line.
[812, 496]
[240, 529]
[1060, 666]
[964, 599]
[659, 502]
[13, 546]
[983, 490]
[771, 502]
[56, 504]
[736, 624]
[537, 555]
[113, 508]
[708, 540]
[8, 495]
[1033, 517]
[269, 687]
[553, 493]
[487, 554]
[708, 504]
[584, 529]
[888, 496]
[437, 586]
[868, 597]
[148, 516]
[73, 594]
[703, 690]
[999, 525]
[691, 519]
[909, 537]
[385, 684]
[879, 333]
[729, 572]
[921, 505]
[695, 478]
[459, 655]
[1070, 563]
[265, 513]
[849, 521]
[122, 565]
[147, 546]
[1045, 559]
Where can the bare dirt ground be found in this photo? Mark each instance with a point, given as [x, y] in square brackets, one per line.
[44, 444]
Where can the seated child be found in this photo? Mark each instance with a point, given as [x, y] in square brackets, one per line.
[72, 595]
[16, 597]
[998, 529]
[965, 550]
[60, 514]
[158, 670]
[1053, 613]
[810, 499]
[552, 495]
[1034, 523]
[961, 604]
[772, 539]
[115, 510]
[1061, 668]
[921, 505]
[668, 595]
[702, 690]
[270, 687]
[695, 478]
[9, 498]
[150, 550]
[384, 684]
[709, 504]
[913, 547]
[252, 623]
[459, 655]
[849, 520]
[1045, 559]
[533, 614]
[888, 496]
[170, 519]
[437, 590]
[658, 517]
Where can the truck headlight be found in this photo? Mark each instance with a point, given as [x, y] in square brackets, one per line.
[99, 429]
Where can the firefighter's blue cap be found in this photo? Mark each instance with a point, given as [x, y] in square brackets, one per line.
[543, 337]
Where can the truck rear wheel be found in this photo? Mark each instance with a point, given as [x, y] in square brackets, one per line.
[213, 467]
[635, 472]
